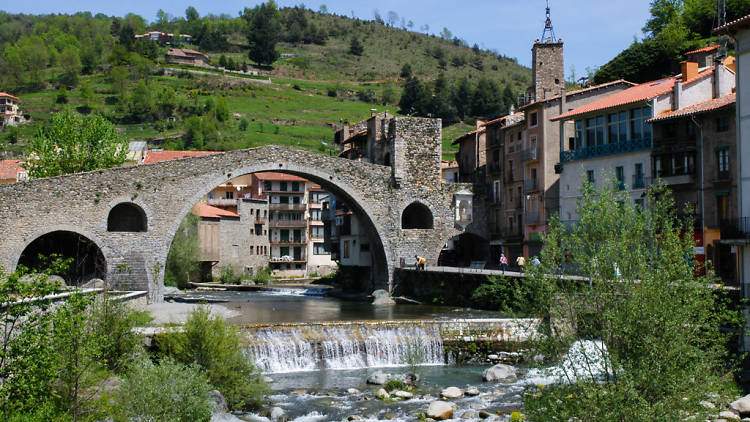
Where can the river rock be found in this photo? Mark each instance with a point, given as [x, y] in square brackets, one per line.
[707, 404]
[352, 391]
[469, 414]
[493, 357]
[500, 372]
[277, 414]
[404, 395]
[382, 297]
[729, 415]
[224, 417]
[377, 378]
[171, 290]
[483, 414]
[94, 283]
[409, 378]
[472, 391]
[382, 394]
[353, 418]
[741, 405]
[220, 404]
[452, 393]
[441, 410]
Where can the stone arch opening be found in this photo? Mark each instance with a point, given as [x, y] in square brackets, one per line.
[417, 216]
[127, 217]
[87, 258]
[462, 250]
[381, 263]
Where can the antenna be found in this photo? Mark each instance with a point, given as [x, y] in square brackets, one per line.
[721, 17]
[549, 34]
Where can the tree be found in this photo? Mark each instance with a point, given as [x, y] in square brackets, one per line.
[405, 71]
[86, 94]
[162, 17]
[263, 33]
[118, 77]
[74, 143]
[392, 18]
[222, 109]
[62, 95]
[323, 9]
[659, 323]
[446, 34]
[140, 103]
[415, 98]
[355, 47]
[70, 62]
[184, 254]
[663, 12]
[462, 96]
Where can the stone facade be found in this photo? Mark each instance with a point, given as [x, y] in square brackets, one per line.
[167, 191]
[548, 69]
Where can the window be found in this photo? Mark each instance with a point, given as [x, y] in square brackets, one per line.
[284, 251]
[315, 215]
[639, 127]
[258, 229]
[617, 127]
[295, 186]
[283, 187]
[319, 249]
[316, 232]
[229, 194]
[533, 118]
[722, 163]
[722, 204]
[722, 124]
[346, 249]
[638, 181]
[595, 131]
[267, 186]
[578, 134]
[251, 249]
[283, 199]
[590, 177]
[620, 175]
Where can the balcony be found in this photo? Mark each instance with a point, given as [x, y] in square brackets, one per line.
[530, 185]
[300, 241]
[287, 207]
[222, 202]
[604, 150]
[289, 260]
[261, 220]
[288, 223]
[512, 233]
[532, 217]
[531, 154]
[639, 182]
[736, 228]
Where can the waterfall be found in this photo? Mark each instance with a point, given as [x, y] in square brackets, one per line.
[344, 346]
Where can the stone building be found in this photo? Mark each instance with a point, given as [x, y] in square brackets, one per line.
[10, 114]
[472, 154]
[187, 56]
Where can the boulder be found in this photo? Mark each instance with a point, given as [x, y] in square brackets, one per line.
[404, 395]
[469, 414]
[741, 405]
[500, 373]
[220, 404]
[352, 391]
[441, 410]
[707, 404]
[382, 297]
[483, 414]
[382, 394]
[171, 290]
[353, 418]
[409, 378]
[94, 283]
[51, 279]
[377, 378]
[493, 357]
[267, 380]
[277, 414]
[452, 393]
[472, 391]
[729, 415]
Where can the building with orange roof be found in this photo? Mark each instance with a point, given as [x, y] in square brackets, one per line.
[11, 171]
[631, 138]
[472, 154]
[157, 155]
[10, 114]
[187, 56]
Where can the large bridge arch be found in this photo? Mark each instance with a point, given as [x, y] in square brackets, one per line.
[167, 190]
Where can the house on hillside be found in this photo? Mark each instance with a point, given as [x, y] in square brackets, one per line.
[10, 114]
[164, 38]
[187, 56]
[11, 171]
[472, 154]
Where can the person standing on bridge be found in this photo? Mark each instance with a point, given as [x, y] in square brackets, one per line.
[420, 262]
[503, 262]
[520, 261]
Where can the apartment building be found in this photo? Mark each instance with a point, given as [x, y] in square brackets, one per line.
[10, 114]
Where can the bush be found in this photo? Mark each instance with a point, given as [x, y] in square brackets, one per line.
[228, 276]
[244, 125]
[393, 385]
[113, 323]
[217, 348]
[332, 92]
[506, 294]
[168, 392]
[184, 254]
[263, 276]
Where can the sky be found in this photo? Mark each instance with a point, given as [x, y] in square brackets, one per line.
[593, 31]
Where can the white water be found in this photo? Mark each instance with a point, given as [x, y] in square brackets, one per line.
[586, 359]
[330, 347]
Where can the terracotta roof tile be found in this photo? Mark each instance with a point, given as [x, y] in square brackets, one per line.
[9, 169]
[642, 92]
[270, 175]
[207, 211]
[702, 50]
[5, 94]
[704, 107]
[157, 156]
[580, 91]
[733, 24]
[473, 132]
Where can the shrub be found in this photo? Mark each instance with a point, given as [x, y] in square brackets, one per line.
[393, 385]
[244, 125]
[332, 92]
[263, 276]
[217, 348]
[113, 323]
[168, 392]
[228, 276]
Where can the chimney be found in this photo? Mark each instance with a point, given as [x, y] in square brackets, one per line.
[689, 70]
[677, 94]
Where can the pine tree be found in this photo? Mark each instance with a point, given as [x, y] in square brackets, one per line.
[355, 47]
[264, 28]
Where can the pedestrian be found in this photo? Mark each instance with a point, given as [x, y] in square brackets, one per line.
[419, 262]
[536, 261]
[503, 262]
[520, 261]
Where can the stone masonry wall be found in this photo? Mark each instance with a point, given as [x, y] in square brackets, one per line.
[166, 191]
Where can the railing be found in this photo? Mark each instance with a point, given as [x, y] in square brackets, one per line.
[605, 149]
[529, 154]
[530, 185]
[736, 228]
[261, 220]
[287, 207]
[288, 223]
[288, 260]
[222, 202]
[300, 241]
[639, 182]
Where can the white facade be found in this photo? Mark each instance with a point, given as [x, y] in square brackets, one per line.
[355, 246]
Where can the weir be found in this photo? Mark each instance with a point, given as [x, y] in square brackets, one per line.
[293, 347]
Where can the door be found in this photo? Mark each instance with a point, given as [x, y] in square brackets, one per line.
[297, 253]
[298, 235]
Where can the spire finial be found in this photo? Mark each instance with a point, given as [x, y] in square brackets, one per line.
[549, 33]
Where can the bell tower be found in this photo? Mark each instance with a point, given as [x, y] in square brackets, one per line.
[547, 65]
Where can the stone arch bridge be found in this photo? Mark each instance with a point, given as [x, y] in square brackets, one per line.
[166, 191]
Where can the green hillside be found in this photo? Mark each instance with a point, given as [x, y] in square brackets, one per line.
[92, 63]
